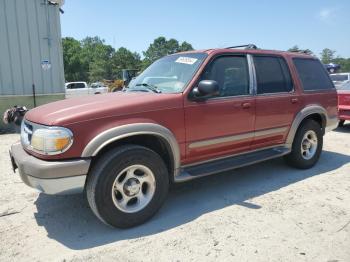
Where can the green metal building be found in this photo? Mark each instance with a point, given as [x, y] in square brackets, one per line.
[31, 60]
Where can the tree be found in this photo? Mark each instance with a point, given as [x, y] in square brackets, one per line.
[327, 55]
[162, 47]
[124, 59]
[297, 49]
[185, 47]
[92, 60]
[74, 67]
[96, 55]
[343, 62]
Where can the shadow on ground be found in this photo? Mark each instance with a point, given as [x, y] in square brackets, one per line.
[69, 220]
[343, 129]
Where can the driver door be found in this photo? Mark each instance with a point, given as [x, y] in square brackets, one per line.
[222, 125]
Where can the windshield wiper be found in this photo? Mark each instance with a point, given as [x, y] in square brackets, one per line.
[153, 88]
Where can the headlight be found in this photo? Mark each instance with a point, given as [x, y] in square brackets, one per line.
[46, 140]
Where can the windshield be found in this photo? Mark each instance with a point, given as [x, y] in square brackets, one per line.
[340, 77]
[169, 74]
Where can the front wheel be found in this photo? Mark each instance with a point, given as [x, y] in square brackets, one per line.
[127, 186]
[307, 146]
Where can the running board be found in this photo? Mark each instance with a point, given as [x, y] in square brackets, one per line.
[229, 163]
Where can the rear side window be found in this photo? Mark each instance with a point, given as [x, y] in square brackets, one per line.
[272, 75]
[312, 74]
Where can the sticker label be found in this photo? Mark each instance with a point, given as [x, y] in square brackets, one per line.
[45, 65]
[186, 60]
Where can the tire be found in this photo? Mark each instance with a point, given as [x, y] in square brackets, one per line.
[301, 157]
[341, 123]
[115, 178]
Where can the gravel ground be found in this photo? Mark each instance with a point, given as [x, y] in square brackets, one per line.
[265, 212]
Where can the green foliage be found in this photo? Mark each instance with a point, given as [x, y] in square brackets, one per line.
[327, 55]
[343, 62]
[124, 59]
[92, 60]
[162, 47]
[74, 67]
[88, 60]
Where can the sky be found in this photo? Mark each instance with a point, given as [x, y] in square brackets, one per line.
[274, 24]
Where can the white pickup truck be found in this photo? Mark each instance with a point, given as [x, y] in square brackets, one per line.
[75, 89]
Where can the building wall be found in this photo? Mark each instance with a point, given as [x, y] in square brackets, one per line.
[30, 32]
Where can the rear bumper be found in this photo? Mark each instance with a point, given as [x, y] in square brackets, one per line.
[50, 177]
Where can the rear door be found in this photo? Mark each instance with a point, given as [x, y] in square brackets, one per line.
[276, 100]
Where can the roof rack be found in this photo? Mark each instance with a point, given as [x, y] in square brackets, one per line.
[301, 51]
[249, 46]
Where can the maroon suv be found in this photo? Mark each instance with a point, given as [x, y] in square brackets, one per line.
[188, 115]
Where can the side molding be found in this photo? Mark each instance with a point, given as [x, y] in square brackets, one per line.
[309, 110]
[120, 132]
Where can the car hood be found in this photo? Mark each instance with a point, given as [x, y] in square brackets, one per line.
[86, 108]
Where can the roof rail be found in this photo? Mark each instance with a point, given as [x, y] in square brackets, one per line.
[301, 51]
[249, 46]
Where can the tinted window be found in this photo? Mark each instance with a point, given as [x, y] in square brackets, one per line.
[312, 74]
[231, 73]
[76, 86]
[272, 75]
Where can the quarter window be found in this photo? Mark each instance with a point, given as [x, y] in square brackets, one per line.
[312, 74]
[231, 73]
[272, 75]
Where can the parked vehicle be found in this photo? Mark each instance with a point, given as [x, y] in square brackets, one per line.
[186, 116]
[123, 79]
[332, 68]
[97, 85]
[344, 103]
[340, 78]
[76, 89]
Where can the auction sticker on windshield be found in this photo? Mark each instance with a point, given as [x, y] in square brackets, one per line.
[186, 60]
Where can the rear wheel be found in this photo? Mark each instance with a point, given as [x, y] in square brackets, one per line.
[341, 123]
[307, 146]
[127, 186]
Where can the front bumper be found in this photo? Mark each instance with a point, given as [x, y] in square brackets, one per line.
[50, 177]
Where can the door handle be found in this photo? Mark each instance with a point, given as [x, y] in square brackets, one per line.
[294, 100]
[246, 105]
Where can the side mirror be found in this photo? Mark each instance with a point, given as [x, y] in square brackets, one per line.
[206, 89]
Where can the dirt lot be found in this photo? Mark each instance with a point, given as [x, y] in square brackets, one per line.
[265, 212]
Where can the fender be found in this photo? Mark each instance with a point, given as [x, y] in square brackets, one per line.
[120, 132]
[327, 122]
